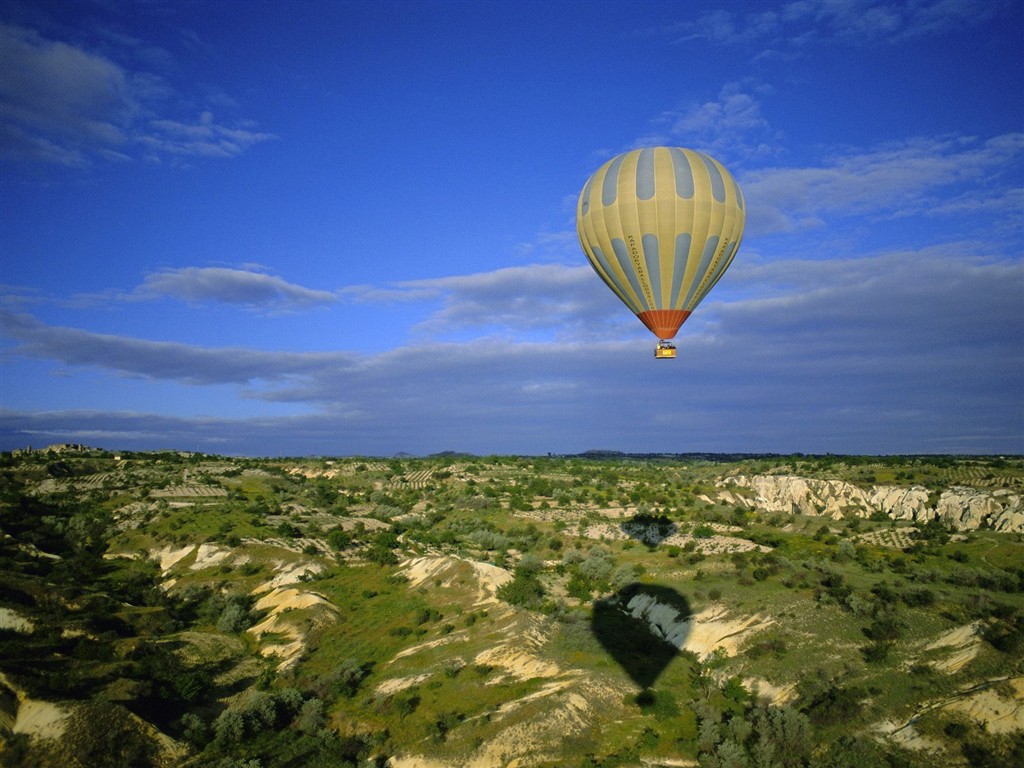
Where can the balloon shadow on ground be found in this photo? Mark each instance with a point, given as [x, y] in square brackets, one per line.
[642, 626]
[649, 529]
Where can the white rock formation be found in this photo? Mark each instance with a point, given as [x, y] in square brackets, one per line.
[969, 508]
[803, 496]
[901, 503]
[961, 507]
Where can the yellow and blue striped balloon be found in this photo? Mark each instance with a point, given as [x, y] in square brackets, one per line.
[660, 226]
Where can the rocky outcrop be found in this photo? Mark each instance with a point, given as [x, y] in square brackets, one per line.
[960, 507]
[801, 495]
[969, 508]
[901, 503]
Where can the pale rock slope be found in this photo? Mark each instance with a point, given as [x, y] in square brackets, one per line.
[961, 507]
[531, 728]
[703, 633]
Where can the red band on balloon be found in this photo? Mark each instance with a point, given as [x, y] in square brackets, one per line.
[664, 323]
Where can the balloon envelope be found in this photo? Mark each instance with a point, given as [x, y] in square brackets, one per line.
[660, 226]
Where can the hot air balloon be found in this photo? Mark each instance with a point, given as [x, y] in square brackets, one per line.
[660, 226]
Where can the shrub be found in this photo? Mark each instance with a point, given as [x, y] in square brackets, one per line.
[229, 728]
[427, 614]
[236, 616]
[1006, 635]
[529, 564]
[444, 723]
[622, 576]
[774, 646]
[524, 590]
[406, 703]
[597, 566]
[877, 651]
[381, 555]
[579, 587]
[311, 718]
[339, 539]
[703, 531]
[194, 730]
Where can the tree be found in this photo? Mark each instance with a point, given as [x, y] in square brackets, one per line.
[229, 727]
[728, 754]
[311, 718]
[785, 733]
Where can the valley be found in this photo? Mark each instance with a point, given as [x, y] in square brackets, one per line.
[173, 608]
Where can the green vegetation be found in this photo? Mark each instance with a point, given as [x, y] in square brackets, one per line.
[204, 611]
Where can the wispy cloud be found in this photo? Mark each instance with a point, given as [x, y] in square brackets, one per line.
[895, 306]
[730, 127]
[67, 105]
[200, 138]
[248, 288]
[800, 23]
[159, 360]
[559, 301]
[891, 181]
[850, 355]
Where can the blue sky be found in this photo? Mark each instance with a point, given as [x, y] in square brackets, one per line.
[291, 228]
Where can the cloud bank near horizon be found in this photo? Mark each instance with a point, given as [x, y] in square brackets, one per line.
[815, 350]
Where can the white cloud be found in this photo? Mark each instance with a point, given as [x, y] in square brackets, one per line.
[232, 286]
[902, 352]
[57, 100]
[731, 126]
[202, 138]
[801, 22]
[64, 104]
[890, 181]
[559, 302]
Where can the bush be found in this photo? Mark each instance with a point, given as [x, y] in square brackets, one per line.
[597, 566]
[229, 728]
[406, 703]
[343, 680]
[774, 646]
[579, 587]
[524, 590]
[784, 733]
[236, 616]
[381, 555]
[1006, 635]
[623, 576]
[832, 702]
[877, 651]
[444, 723]
[194, 730]
[311, 718]
[922, 597]
[339, 539]
[529, 564]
